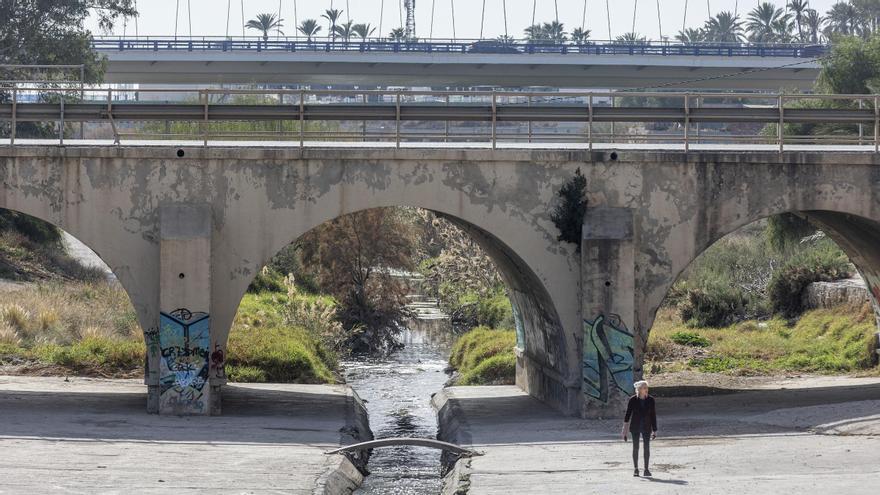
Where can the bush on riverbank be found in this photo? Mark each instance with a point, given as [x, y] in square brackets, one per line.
[485, 356]
[470, 309]
[754, 273]
[92, 329]
[263, 347]
[822, 341]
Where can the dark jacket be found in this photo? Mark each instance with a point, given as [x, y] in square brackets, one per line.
[641, 415]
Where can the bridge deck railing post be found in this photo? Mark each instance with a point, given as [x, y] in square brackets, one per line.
[205, 101]
[861, 125]
[14, 124]
[494, 119]
[589, 122]
[876, 124]
[687, 121]
[397, 120]
[61, 122]
[781, 131]
[302, 118]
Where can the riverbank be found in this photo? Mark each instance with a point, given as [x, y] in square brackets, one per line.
[783, 437]
[93, 435]
[61, 328]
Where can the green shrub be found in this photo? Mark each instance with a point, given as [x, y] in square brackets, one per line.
[34, 229]
[715, 306]
[714, 364]
[499, 369]
[484, 355]
[268, 280]
[261, 339]
[492, 310]
[245, 374]
[690, 339]
[824, 263]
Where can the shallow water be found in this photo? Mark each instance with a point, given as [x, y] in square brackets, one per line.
[397, 391]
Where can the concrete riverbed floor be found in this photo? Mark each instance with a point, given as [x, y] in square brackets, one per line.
[815, 435]
[94, 436]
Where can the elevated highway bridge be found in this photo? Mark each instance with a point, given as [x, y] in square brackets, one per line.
[460, 64]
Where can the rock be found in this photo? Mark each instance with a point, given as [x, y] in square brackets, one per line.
[847, 292]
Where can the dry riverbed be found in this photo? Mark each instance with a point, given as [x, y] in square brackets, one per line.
[765, 435]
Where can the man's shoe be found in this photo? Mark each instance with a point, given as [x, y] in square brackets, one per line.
[647, 473]
[636, 472]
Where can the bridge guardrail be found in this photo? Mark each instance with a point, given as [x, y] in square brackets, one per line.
[517, 47]
[489, 117]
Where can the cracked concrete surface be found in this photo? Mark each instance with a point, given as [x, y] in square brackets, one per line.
[816, 436]
[92, 436]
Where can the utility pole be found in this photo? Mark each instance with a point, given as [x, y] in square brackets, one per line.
[410, 6]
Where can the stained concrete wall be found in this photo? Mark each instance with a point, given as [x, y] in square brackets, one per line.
[261, 199]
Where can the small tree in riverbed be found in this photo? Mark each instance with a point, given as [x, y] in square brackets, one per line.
[355, 256]
[568, 215]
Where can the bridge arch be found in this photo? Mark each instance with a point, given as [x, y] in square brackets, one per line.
[721, 198]
[541, 340]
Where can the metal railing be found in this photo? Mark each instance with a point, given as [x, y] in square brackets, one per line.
[514, 47]
[487, 117]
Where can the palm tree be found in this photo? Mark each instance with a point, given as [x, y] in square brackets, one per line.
[505, 39]
[265, 23]
[631, 38]
[813, 21]
[344, 30]
[309, 27]
[332, 15]
[536, 32]
[869, 14]
[580, 36]
[723, 28]
[799, 9]
[555, 31]
[397, 34]
[783, 29]
[364, 31]
[691, 36]
[842, 18]
[762, 21]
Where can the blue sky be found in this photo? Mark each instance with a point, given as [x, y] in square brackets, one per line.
[209, 17]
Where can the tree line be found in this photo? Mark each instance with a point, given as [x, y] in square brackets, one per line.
[793, 22]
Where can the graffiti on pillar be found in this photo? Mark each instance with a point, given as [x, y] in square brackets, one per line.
[184, 339]
[518, 325]
[218, 362]
[608, 357]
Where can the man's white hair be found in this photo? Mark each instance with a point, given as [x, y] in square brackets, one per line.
[639, 384]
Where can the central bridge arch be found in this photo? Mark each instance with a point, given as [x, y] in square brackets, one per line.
[503, 202]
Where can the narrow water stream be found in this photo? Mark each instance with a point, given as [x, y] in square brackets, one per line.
[397, 391]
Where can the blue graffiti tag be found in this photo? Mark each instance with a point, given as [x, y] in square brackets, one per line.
[608, 353]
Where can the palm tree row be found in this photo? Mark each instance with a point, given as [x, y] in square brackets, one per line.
[311, 28]
[796, 22]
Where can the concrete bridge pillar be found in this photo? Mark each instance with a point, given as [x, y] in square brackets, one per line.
[184, 335]
[609, 345]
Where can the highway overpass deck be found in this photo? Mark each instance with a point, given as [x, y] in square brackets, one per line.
[611, 65]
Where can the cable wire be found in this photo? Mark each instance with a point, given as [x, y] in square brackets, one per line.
[431, 29]
[482, 19]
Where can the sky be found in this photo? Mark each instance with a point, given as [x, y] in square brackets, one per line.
[209, 17]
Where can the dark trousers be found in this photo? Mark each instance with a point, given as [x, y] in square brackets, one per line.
[647, 440]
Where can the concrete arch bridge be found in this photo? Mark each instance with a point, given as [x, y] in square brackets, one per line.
[185, 230]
